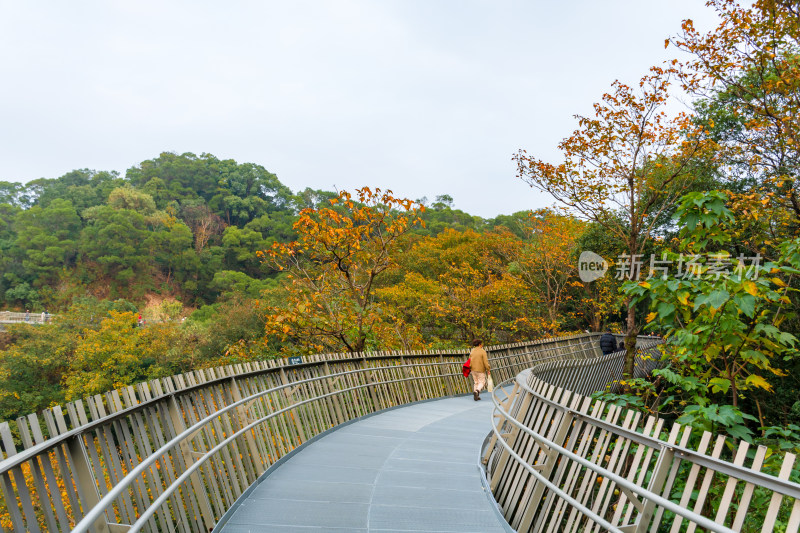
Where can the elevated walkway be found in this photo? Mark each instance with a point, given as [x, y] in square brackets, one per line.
[272, 446]
[413, 468]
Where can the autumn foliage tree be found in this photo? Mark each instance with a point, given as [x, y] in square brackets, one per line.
[747, 70]
[623, 167]
[457, 286]
[118, 353]
[332, 267]
[545, 263]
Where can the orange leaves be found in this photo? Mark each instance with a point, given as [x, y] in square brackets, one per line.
[749, 63]
[456, 285]
[340, 251]
[621, 167]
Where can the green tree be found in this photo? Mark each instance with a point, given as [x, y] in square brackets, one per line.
[129, 198]
[84, 188]
[10, 257]
[15, 194]
[278, 225]
[248, 191]
[241, 247]
[46, 237]
[441, 216]
[228, 282]
[723, 317]
[185, 177]
[113, 246]
[170, 247]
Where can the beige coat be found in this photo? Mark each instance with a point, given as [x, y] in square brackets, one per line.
[479, 361]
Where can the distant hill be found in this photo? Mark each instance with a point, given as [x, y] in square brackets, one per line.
[180, 226]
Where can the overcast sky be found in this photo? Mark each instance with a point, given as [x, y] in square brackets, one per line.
[425, 97]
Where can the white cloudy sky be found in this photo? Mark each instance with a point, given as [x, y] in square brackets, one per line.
[425, 97]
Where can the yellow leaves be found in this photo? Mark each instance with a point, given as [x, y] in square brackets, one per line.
[758, 382]
[332, 265]
[750, 287]
[651, 316]
[778, 281]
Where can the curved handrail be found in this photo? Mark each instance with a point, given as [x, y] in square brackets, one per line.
[127, 466]
[129, 479]
[21, 457]
[785, 487]
[572, 501]
[541, 430]
[622, 482]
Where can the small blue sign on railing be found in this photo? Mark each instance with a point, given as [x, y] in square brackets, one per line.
[296, 360]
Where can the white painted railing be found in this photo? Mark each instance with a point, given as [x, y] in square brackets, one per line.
[175, 454]
[559, 461]
[10, 317]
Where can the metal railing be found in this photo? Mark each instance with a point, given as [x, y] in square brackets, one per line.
[559, 461]
[175, 454]
[586, 376]
[10, 317]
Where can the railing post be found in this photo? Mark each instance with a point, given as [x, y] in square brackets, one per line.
[329, 387]
[198, 487]
[508, 363]
[512, 437]
[244, 419]
[546, 470]
[410, 384]
[296, 418]
[505, 404]
[371, 388]
[8, 487]
[445, 377]
[656, 483]
[85, 481]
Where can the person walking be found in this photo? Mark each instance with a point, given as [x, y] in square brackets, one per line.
[608, 343]
[479, 363]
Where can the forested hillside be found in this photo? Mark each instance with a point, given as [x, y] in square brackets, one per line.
[184, 241]
[181, 226]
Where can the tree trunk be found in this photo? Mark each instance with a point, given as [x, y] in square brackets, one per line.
[630, 343]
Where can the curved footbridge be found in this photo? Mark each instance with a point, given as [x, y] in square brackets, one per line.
[413, 468]
[178, 453]
[386, 442]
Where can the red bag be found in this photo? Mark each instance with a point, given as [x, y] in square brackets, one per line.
[467, 368]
